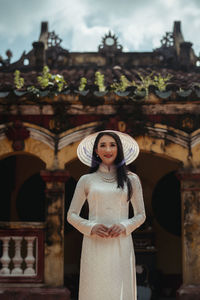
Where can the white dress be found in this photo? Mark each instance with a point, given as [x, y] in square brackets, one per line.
[107, 269]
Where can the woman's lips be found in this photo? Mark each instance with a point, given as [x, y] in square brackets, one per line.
[108, 155]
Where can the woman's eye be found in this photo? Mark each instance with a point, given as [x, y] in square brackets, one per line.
[111, 145]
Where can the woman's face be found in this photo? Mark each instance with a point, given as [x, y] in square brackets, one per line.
[107, 149]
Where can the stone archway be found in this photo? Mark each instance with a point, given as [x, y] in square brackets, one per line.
[40, 144]
[38, 153]
[173, 144]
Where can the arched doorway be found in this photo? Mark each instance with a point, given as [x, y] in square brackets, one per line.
[159, 181]
[22, 188]
[166, 206]
[166, 203]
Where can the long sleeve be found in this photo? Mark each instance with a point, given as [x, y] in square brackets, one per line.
[80, 195]
[138, 206]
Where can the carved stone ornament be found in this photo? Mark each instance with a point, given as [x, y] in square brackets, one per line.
[167, 40]
[110, 43]
[53, 39]
[17, 133]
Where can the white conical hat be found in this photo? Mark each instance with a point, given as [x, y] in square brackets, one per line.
[130, 147]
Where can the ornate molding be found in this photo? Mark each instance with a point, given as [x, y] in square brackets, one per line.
[17, 134]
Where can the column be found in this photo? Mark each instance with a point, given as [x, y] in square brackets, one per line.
[54, 241]
[5, 259]
[17, 259]
[190, 195]
[30, 259]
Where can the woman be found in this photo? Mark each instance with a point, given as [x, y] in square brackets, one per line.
[107, 260]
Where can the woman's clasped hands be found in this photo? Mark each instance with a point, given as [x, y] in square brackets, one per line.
[104, 231]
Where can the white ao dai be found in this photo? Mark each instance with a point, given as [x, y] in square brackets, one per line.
[107, 269]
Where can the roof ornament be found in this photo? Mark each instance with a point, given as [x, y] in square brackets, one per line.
[53, 39]
[110, 44]
[6, 62]
[167, 40]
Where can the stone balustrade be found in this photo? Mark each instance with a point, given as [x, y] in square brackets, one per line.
[12, 266]
[21, 254]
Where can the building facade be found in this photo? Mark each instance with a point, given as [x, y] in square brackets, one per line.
[49, 100]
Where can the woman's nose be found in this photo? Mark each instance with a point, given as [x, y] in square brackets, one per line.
[108, 148]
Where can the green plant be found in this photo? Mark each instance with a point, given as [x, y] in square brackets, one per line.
[47, 79]
[18, 81]
[161, 82]
[99, 80]
[83, 83]
[158, 80]
[145, 82]
[57, 81]
[122, 85]
[60, 82]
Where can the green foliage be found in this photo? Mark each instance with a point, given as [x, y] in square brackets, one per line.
[60, 82]
[18, 81]
[145, 82]
[161, 82]
[158, 81]
[99, 80]
[47, 79]
[122, 85]
[83, 83]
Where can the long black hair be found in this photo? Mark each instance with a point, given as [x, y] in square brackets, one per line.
[121, 168]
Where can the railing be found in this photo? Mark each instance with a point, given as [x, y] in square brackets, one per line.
[21, 252]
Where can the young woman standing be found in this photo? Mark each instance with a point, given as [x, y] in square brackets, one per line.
[107, 261]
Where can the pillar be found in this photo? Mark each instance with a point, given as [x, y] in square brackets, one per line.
[39, 53]
[190, 194]
[54, 241]
[185, 57]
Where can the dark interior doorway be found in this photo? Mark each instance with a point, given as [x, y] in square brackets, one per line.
[166, 203]
[22, 189]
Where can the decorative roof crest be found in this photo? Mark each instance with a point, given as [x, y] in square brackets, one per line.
[110, 43]
[167, 40]
[53, 39]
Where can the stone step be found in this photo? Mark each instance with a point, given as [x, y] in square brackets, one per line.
[32, 293]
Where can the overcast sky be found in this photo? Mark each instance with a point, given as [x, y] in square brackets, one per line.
[81, 24]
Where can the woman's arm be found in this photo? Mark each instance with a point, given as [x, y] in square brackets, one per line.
[138, 206]
[81, 224]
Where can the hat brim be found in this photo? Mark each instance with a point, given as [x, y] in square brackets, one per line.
[85, 148]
